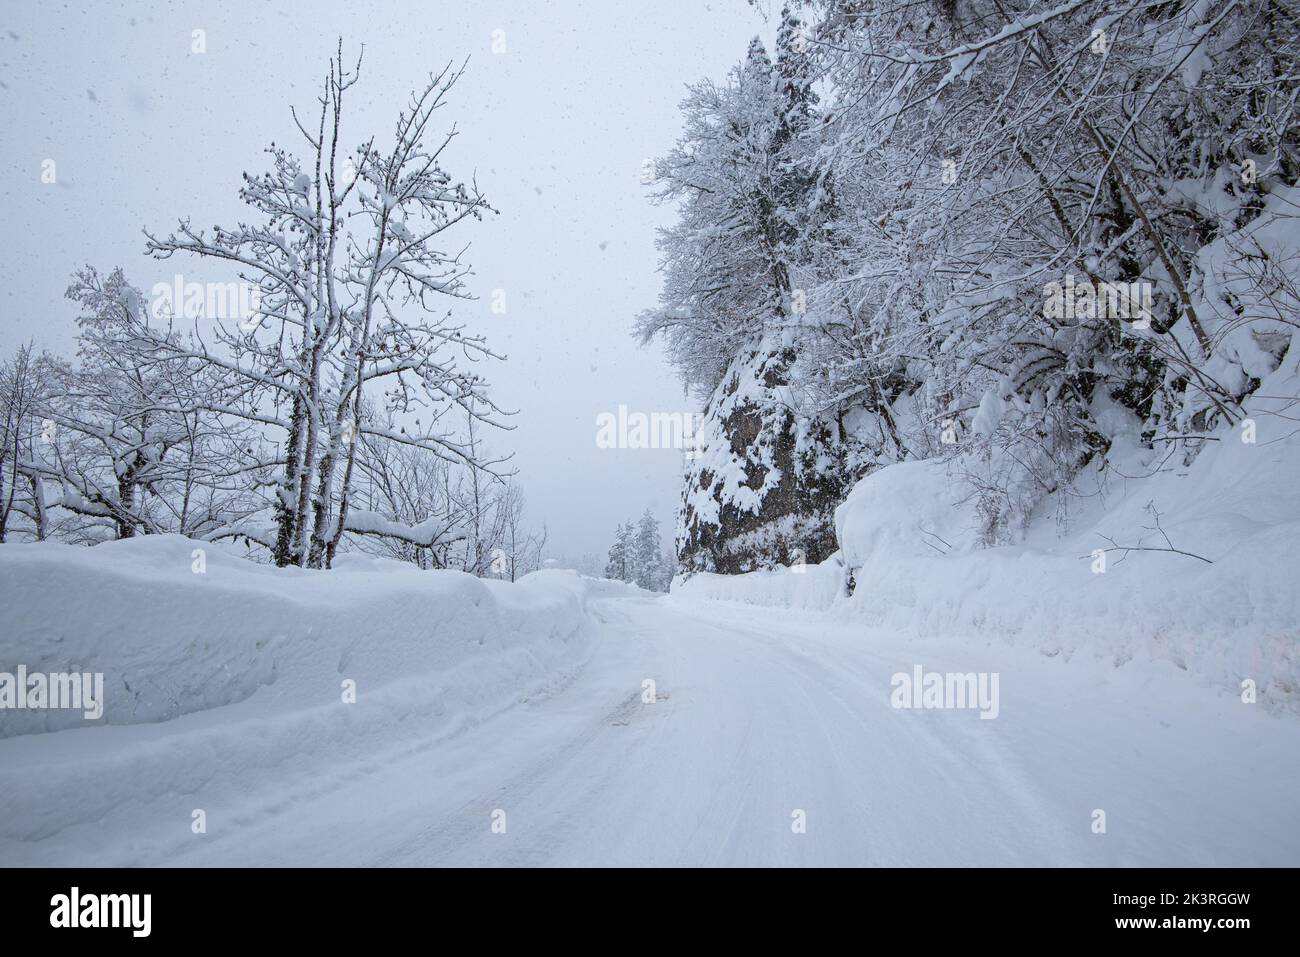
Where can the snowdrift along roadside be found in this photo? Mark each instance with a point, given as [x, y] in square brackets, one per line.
[174, 635]
[908, 535]
[219, 679]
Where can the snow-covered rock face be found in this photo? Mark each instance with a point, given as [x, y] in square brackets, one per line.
[941, 303]
[1190, 565]
[763, 485]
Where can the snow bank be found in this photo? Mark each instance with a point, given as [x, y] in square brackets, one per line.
[909, 535]
[224, 683]
[904, 511]
[176, 633]
[806, 587]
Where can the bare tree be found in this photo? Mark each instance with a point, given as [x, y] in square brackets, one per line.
[25, 385]
[347, 265]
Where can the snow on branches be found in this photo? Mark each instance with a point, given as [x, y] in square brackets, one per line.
[346, 400]
[964, 161]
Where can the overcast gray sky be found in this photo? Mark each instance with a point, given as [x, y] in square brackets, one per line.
[142, 130]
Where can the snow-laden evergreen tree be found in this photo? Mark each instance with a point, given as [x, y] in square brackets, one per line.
[636, 555]
[619, 561]
[649, 568]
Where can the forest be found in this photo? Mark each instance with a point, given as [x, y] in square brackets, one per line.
[998, 233]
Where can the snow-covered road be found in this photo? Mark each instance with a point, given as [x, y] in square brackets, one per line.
[764, 719]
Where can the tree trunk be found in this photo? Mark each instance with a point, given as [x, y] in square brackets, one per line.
[284, 514]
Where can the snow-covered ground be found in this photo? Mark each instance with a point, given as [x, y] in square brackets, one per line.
[1095, 573]
[178, 627]
[500, 724]
[980, 318]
